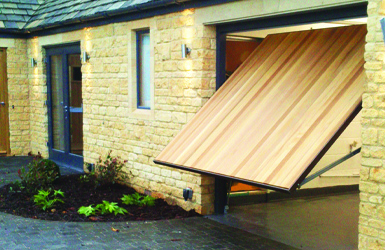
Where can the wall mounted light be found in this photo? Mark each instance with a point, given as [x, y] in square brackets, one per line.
[185, 51]
[382, 21]
[85, 57]
[33, 62]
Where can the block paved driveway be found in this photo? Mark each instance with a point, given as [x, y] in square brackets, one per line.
[192, 233]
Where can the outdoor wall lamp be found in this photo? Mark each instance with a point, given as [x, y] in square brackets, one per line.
[85, 57]
[185, 51]
[33, 62]
[381, 11]
[382, 21]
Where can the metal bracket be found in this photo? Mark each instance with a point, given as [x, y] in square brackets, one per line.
[327, 168]
[229, 183]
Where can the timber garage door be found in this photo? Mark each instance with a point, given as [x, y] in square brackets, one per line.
[280, 111]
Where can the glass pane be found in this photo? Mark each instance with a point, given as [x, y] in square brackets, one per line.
[145, 71]
[57, 102]
[76, 104]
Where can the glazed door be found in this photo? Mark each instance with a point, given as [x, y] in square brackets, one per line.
[4, 124]
[65, 108]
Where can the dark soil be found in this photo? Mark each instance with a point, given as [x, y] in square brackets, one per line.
[79, 194]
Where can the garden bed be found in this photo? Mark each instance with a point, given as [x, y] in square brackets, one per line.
[78, 193]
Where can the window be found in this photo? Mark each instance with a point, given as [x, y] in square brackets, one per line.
[143, 69]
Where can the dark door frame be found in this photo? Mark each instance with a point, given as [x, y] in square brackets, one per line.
[62, 158]
[313, 16]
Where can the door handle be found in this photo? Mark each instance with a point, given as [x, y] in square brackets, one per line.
[2, 103]
[65, 112]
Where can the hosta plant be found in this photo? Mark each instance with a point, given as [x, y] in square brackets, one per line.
[103, 208]
[138, 199]
[45, 200]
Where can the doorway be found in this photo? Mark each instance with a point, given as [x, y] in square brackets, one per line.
[65, 105]
[4, 122]
[247, 34]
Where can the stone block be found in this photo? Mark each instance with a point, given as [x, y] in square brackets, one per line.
[370, 162]
[364, 173]
[176, 175]
[368, 231]
[377, 175]
[368, 209]
[369, 136]
[367, 101]
[368, 187]
[381, 212]
[369, 113]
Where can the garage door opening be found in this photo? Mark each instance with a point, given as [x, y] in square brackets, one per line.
[327, 218]
[239, 45]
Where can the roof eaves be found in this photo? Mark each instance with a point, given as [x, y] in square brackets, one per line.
[134, 7]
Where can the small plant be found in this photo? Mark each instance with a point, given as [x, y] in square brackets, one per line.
[86, 177]
[109, 170]
[130, 199]
[45, 202]
[148, 201]
[41, 173]
[110, 207]
[87, 211]
[138, 200]
[103, 208]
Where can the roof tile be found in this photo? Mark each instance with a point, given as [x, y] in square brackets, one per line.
[15, 18]
[11, 25]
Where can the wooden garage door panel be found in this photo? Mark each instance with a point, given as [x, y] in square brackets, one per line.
[273, 117]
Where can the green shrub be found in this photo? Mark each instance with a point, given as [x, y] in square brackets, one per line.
[138, 200]
[109, 170]
[41, 173]
[44, 201]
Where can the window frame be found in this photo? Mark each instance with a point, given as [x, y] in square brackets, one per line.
[139, 34]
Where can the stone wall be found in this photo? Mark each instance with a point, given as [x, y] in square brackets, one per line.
[372, 184]
[111, 119]
[37, 99]
[18, 95]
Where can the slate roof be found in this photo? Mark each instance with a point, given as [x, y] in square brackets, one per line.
[14, 14]
[22, 15]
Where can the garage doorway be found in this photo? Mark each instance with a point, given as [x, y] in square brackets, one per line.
[251, 33]
[259, 218]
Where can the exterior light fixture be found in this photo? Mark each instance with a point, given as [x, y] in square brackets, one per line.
[33, 62]
[185, 51]
[382, 21]
[85, 57]
[381, 11]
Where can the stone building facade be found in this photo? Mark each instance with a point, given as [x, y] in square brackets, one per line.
[111, 120]
[180, 87]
